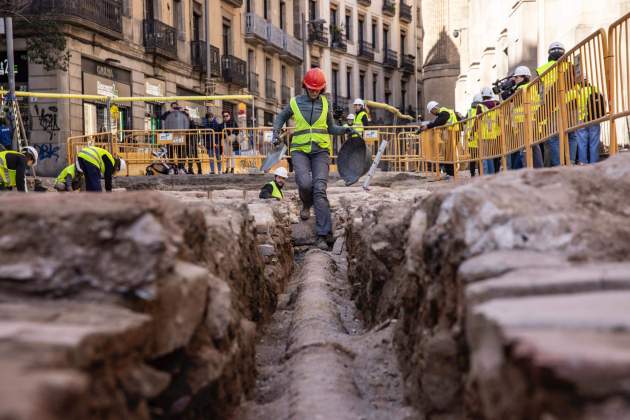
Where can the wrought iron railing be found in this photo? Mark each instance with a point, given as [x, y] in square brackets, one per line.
[408, 63]
[160, 38]
[366, 51]
[275, 37]
[285, 94]
[234, 70]
[255, 27]
[96, 14]
[338, 39]
[389, 7]
[198, 58]
[270, 89]
[317, 33]
[366, 3]
[390, 58]
[405, 13]
[293, 47]
[252, 83]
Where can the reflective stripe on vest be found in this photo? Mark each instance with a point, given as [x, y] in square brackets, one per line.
[7, 176]
[357, 124]
[95, 156]
[68, 170]
[305, 134]
[276, 192]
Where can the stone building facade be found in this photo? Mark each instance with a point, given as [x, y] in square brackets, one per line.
[469, 44]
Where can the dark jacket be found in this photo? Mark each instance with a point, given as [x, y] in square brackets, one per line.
[230, 124]
[441, 119]
[17, 163]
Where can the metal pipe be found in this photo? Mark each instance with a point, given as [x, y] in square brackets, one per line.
[8, 26]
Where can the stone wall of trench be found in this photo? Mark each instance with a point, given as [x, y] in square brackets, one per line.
[134, 305]
[511, 293]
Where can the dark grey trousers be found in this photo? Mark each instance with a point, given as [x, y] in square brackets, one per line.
[311, 175]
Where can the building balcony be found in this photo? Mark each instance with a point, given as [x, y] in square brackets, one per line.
[366, 52]
[390, 59]
[252, 84]
[405, 13]
[293, 49]
[198, 58]
[270, 90]
[338, 40]
[255, 29]
[365, 3]
[408, 64]
[234, 70]
[275, 39]
[234, 3]
[317, 34]
[103, 16]
[389, 8]
[285, 95]
[160, 39]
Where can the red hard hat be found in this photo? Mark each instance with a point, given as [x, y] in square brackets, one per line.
[315, 79]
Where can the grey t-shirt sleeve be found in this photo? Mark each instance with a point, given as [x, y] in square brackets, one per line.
[284, 116]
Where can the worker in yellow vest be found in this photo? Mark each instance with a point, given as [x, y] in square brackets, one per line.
[444, 116]
[310, 149]
[13, 167]
[550, 83]
[361, 117]
[273, 189]
[94, 162]
[473, 127]
[69, 179]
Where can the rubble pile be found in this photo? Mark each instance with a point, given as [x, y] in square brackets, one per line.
[133, 305]
[511, 293]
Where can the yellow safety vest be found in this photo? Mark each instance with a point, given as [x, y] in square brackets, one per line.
[7, 176]
[490, 129]
[276, 192]
[304, 134]
[581, 94]
[69, 170]
[452, 119]
[519, 111]
[357, 124]
[95, 156]
[473, 136]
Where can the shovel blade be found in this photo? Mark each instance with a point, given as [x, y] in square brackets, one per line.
[273, 158]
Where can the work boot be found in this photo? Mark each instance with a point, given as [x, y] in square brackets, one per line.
[322, 243]
[305, 213]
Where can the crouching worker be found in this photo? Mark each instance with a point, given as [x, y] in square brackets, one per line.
[69, 179]
[273, 189]
[13, 167]
[93, 162]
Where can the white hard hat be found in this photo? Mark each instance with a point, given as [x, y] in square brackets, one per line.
[522, 71]
[281, 172]
[359, 101]
[123, 166]
[431, 105]
[477, 98]
[350, 117]
[486, 92]
[556, 46]
[33, 152]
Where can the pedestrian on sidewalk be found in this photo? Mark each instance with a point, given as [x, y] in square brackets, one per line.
[310, 149]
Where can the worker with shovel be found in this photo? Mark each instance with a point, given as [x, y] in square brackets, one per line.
[13, 167]
[310, 150]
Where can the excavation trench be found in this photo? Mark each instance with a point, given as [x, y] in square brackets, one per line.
[316, 359]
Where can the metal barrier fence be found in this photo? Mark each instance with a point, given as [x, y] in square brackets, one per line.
[618, 69]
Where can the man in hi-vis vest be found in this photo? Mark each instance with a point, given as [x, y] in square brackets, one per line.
[310, 149]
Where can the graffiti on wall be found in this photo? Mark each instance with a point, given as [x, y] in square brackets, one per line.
[47, 117]
[47, 151]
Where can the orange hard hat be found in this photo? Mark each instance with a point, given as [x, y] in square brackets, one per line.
[315, 79]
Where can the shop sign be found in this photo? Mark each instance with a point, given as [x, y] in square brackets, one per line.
[154, 87]
[20, 66]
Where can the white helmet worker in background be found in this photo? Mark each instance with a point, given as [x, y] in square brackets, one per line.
[361, 117]
[522, 71]
[487, 93]
[555, 51]
[13, 167]
[431, 106]
[273, 189]
[477, 99]
[120, 167]
[350, 119]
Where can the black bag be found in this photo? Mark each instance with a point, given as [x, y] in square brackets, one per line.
[596, 107]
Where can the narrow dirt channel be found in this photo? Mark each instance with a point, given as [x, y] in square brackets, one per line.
[315, 360]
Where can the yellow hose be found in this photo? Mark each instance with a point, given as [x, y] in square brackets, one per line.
[46, 95]
[387, 107]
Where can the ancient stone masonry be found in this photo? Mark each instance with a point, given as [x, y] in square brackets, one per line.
[511, 292]
[133, 305]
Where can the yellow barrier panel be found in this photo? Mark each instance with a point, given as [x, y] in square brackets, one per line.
[618, 70]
